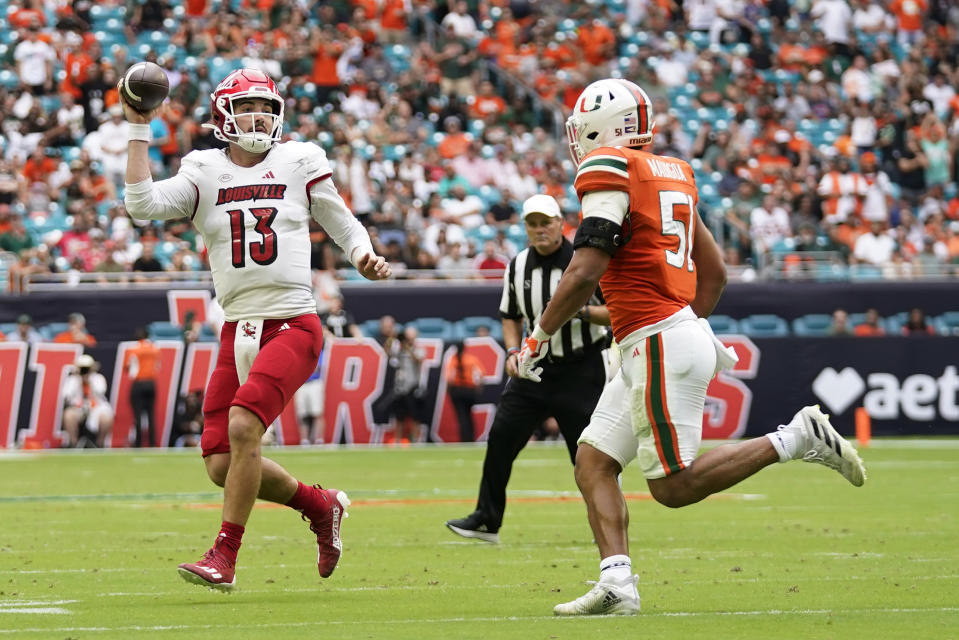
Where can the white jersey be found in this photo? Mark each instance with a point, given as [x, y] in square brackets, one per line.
[255, 223]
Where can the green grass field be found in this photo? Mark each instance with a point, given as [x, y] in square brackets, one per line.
[89, 543]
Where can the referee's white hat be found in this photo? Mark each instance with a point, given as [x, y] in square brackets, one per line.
[542, 203]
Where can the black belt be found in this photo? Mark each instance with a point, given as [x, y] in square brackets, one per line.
[576, 357]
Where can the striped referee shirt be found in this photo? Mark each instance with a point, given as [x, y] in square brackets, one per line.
[529, 283]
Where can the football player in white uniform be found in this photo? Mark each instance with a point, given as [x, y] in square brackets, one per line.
[251, 203]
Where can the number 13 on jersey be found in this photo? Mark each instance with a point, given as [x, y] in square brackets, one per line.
[676, 209]
[262, 252]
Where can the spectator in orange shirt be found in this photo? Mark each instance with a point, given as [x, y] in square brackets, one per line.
[196, 8]
[30, 15]
[76, 65]
[487, 103]
[597, 42]
[393, 21]
[908, 20]
[456, 141]
[772, 163]
[559, 52]
[38, 169]
[76, 332]
[791, 54]
[142, 363]
[327, 52]
[870, 326]
[507, 29]
[463, 379]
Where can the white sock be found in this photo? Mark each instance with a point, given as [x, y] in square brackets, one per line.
[784, 442]
[616, 569]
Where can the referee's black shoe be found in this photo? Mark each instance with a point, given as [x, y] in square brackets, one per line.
[472, 526]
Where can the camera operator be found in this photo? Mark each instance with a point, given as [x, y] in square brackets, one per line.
[406, 359]
[87, 414]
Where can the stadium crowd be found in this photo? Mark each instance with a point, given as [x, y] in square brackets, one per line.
[824, 134]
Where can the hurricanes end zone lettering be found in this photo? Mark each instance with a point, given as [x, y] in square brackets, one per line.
[171, 356]
[360, 365]
[12, 356]
[491, 356]
[910, 386]
[50, 362]
[728, 399]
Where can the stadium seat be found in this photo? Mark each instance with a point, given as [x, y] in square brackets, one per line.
[466, 328]
[895, 322]
[207, 334]
[8, 328]
[434, 328]
[860, 272]
[51, 329]
[947, 324]
[812, 324]
[722, 324]
[516, 233]
[8, 79]
[371, 328]
[764, 325]
[161, 330]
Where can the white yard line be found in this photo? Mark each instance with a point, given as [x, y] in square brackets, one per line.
[39, 607]
[420, 621]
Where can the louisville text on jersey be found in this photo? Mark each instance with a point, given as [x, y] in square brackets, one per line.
[251, 192]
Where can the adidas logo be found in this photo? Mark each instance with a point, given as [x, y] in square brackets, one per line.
[284, 326]
[611, 600]
[268, 176]
[213, 572]
[336, 528]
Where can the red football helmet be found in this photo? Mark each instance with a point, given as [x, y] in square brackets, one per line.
[245, 83]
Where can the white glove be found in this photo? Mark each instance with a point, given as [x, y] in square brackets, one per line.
[533, 351]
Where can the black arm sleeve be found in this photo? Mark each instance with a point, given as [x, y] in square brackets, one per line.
[602, 234]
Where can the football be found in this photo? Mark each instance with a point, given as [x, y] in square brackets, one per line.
[144, 86]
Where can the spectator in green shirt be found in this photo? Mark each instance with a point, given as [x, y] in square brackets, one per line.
[17, 238]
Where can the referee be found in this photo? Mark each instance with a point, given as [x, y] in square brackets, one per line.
[573, 372]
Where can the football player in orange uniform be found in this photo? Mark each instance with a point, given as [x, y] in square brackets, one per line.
[661, 273]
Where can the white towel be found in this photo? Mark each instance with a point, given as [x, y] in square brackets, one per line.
[246, 344]
[725, 356]
[614, 360]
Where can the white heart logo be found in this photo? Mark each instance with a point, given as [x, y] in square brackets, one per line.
[838, 390]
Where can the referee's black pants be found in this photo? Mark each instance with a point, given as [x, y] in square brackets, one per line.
[568, 392]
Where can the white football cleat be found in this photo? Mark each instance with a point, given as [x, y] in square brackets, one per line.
[604, 599]
[820, 442]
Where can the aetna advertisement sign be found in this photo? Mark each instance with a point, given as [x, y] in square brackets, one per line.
[908, 385]
[885, 396]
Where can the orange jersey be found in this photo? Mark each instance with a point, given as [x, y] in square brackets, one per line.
[147, 356]
[652, 275]
[469, 375]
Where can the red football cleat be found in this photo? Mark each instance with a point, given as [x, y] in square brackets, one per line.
[325, 517]
[213, 571]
